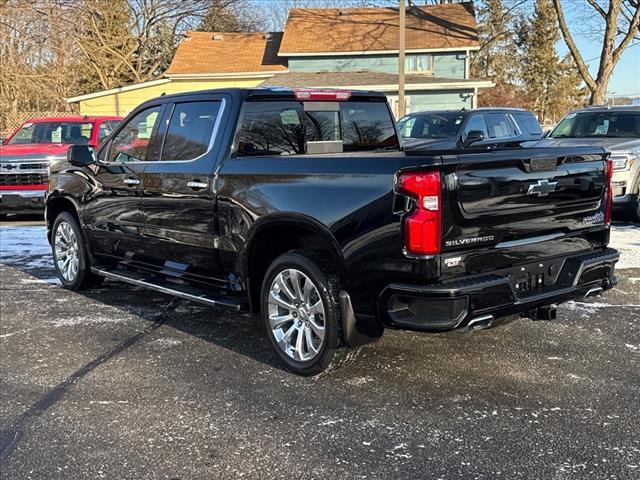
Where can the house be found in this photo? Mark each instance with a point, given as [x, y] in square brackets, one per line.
[349, 48]
[358, 48]
[203, 60]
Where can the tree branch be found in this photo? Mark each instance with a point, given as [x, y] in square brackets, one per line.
[598, 8]
[573, 48]
[633, 26]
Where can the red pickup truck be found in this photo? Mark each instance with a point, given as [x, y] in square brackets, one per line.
[25, 157]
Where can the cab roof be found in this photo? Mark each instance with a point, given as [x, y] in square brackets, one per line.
[265, 92]
[72, 118]
[606, 108]
[464, 110]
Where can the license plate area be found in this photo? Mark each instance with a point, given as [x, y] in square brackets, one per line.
[535, 277]
[10, 200]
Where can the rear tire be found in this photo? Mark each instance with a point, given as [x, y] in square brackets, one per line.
[70, 256]
[301, 313]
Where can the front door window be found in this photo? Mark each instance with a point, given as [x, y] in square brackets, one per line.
[132, 142]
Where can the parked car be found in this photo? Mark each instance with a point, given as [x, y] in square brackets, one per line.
[26, 155]
[301, 205]
[469, 130]
[618, 129]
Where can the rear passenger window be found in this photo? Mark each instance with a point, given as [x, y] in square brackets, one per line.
[286, 128]
[500, 125]
[271, 128]
[190, 130]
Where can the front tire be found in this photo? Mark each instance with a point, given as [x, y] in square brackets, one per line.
[301, 313]
[70, 256]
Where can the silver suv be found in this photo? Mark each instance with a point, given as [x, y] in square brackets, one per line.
[618, 129]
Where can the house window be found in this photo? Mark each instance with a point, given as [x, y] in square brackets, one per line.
[419, 63]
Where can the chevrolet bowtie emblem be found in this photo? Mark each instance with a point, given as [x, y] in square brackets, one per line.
[542, 188]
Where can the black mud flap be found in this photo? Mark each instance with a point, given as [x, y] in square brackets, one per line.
[358, 330]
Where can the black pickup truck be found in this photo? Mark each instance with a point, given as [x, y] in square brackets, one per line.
[303, 206]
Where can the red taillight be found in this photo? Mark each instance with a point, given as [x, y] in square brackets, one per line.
[608, 206]
[422, 227]
[321, 95]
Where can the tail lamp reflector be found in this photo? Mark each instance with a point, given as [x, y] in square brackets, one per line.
[422, 227]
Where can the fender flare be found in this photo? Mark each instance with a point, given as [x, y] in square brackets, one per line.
[284, 219]
[56, 196]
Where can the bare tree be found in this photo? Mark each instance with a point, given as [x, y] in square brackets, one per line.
[53, 49]
[621, 19]
[277, 11]
[231, 16]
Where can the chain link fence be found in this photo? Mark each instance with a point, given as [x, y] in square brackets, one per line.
[10, 121]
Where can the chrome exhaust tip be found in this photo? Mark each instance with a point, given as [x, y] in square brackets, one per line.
[479, 323]
[593, 292]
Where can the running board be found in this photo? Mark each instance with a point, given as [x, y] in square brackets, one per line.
[183, 291]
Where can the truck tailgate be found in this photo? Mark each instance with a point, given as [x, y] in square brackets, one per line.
[512, 206]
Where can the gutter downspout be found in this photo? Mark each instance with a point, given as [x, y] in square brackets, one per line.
[401, 41]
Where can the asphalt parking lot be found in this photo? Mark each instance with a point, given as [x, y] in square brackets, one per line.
[121, 383]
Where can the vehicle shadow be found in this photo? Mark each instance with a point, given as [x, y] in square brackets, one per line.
[242, 333]
[12, 220]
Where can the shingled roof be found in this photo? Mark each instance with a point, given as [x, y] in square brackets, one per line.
[362, 79]
[333, 30]
[202, 53]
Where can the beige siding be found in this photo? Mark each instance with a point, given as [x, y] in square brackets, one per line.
[123, 102]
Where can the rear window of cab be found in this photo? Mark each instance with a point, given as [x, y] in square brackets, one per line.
[296, 128]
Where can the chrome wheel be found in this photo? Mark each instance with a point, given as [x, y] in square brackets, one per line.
[66, 251]
[296, 315]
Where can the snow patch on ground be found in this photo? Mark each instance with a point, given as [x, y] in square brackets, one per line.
[18, 242]
[591, 307]
[626, 239]
[52, 281]
[165, 342]
[80, 320]
[359, 381]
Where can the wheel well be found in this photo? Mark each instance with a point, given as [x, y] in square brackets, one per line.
[55, 207]
[272, 242]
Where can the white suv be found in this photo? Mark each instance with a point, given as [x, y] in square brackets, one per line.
[618, 129]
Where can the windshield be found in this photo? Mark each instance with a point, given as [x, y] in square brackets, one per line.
[599, 125]
[52, 132]
[430, 125]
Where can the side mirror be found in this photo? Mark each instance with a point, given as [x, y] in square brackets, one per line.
[81, 155]
[473, 136]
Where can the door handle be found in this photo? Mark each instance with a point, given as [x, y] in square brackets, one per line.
[131, 181]
[196, 185]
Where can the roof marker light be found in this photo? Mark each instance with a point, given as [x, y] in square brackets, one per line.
[321, 95]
